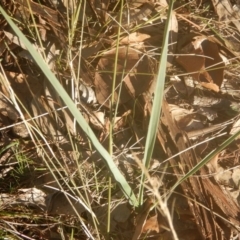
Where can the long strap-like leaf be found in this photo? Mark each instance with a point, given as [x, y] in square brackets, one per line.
[75, 112]
[157, 103]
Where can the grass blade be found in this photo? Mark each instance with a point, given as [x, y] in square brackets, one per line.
[157, 103]
[75, 112]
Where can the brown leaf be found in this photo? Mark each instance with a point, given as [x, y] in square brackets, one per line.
[121, 122]
[213, 164]
[211, 86]
[134, 38]
[226, 12]
[203, 62]
[24, 86]
[193, 62]
[41, 10]
[141, 219]
[97, 120]
[235, 127]
[151, 225]
[173, 35]
[133, 72]
[213, 61]
[14, 39]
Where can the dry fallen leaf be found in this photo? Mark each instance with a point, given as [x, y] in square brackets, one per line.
[235, 127]
[173, 35]
[134, 38]
[202, 61]
[151, 225]
[25, 86]
[41, 10]
[236, 177]
[213, 164]
[101, 120]
[186, 120]
[141, 219]
[133, 72]
[226, 12]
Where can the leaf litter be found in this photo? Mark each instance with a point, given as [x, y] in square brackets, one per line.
[201, 109]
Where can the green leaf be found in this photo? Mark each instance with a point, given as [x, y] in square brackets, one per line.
[157, 103]
[75, 112]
